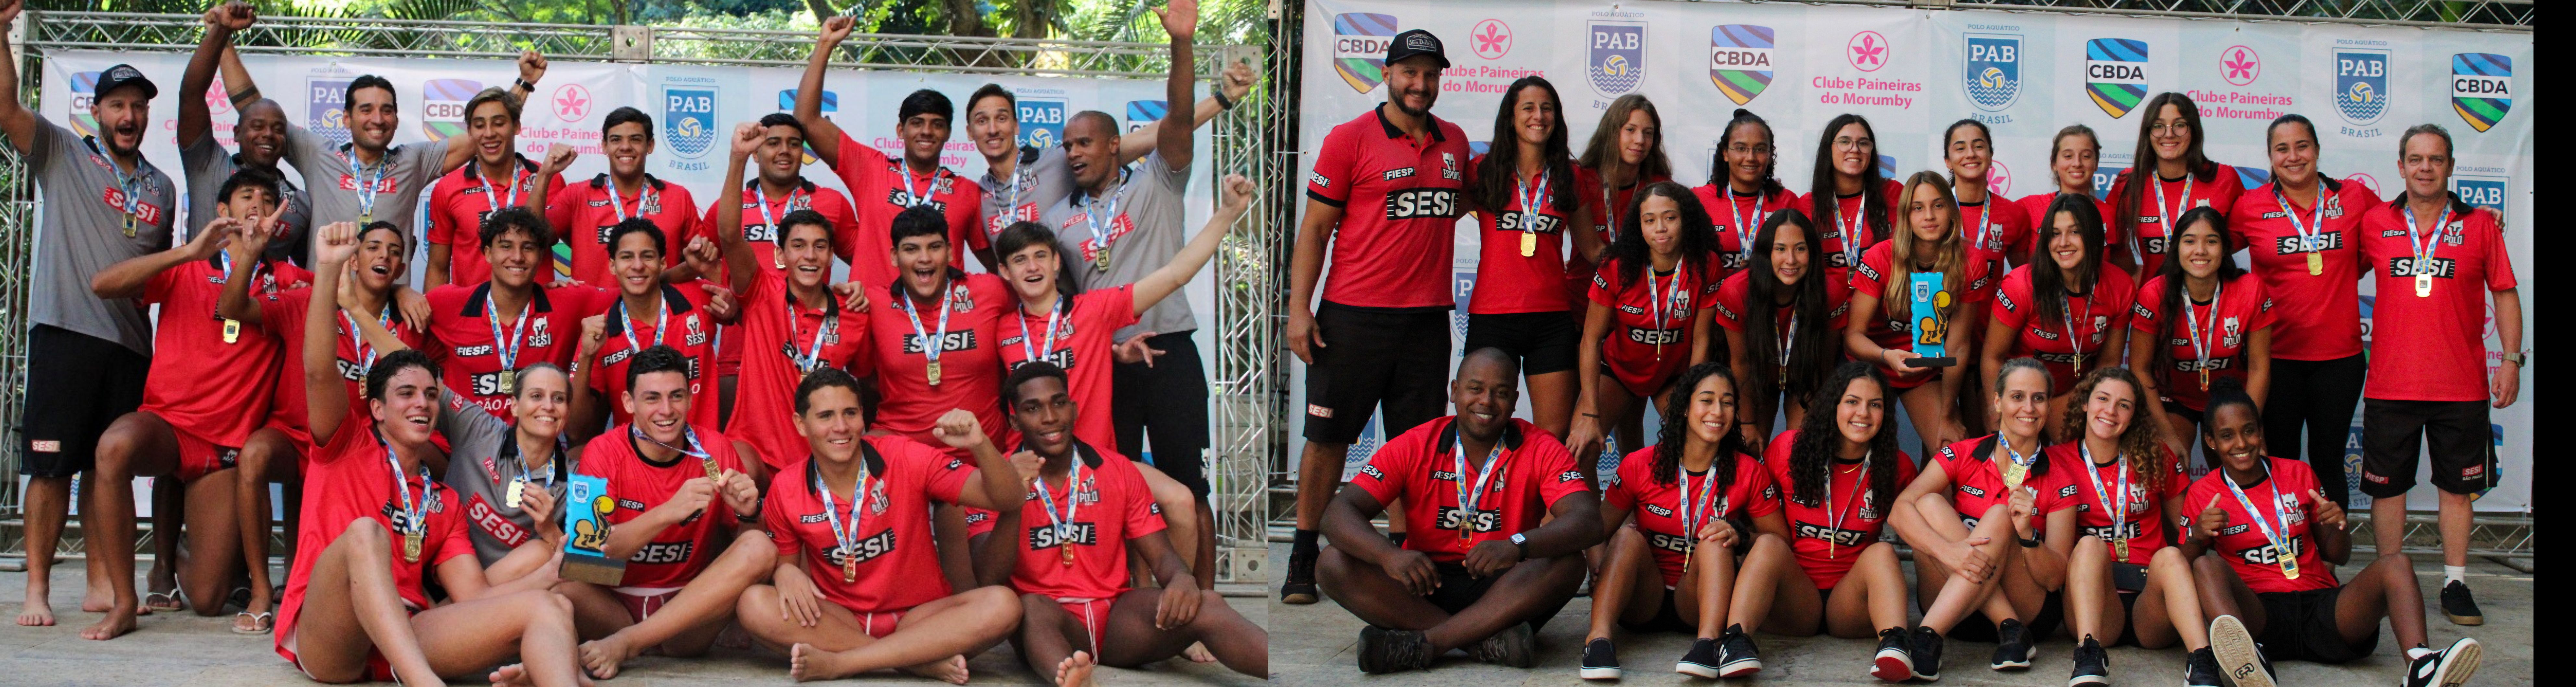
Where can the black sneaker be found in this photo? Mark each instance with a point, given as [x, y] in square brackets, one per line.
[1927, 654]
[2449, 667]
[2092, 665]
[2240, 661]
[1737, 657]
[1895, 660]
[1600, 660]
[2012, 646]
[1385, 651]
[2200, 669]
[1300, 587]
[1515, 646]
[1702, 660]
[2462, 608]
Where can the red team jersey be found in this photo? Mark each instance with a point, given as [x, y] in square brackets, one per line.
[1835, 245]
[1113, 506]
[2434, 345]
[1734, 220]
[282, 315]
[1643, 350]
[2218, 193]
[2034, 207]
[2317, 313]
[584, 213]
[762, 239]
[1506, 281]
[216, 391]
[465, 348]
[1400, 201]
[678, 552]
[1894, 325]
[1420, 467]
[970, 363]
[2090, 318]
[2227, 327]
[1657, 505]
[685, 327]
[1080, 345]
[2145, 525]
[1851, 524]
[2243, 545]
[897, 567]
[349, 480]
[1732, 308]
[460, 200]
[882, 187]
[1609, 207]
[1976, 471]
[765, 395]
[1998, 227]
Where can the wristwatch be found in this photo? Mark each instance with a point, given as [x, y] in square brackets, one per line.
[1520, 541]
[2030, 543]
[2521, 358]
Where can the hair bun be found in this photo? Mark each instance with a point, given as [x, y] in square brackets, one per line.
[1741, 113]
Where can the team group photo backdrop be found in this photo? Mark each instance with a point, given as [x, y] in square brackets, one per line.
[1912, 72]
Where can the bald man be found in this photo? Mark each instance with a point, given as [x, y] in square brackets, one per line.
[260, 130]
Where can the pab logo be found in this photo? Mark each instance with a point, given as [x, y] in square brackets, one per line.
[2115, 74]
[1492, 39]
[1359, 48]
[1739, 60]
[1041, 123]
[689, 119]
[2485, 192]
[442, 106]
[1993, 72]
[2481, 88]
[1463, 288]
[2103, 174]
[1617, 57]
[326, 108]
[2361, 85]
[830, 106]
[1143, 112]
[1867, 51]
[85, 95]
[2240, 65]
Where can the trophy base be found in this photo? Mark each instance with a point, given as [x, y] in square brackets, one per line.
[593, 569]
[1931, 362]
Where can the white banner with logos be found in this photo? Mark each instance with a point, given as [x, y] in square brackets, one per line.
[1912, 72]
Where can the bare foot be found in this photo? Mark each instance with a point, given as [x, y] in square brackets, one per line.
[1198, 653]
[116, 624]
[602, 655]
[513, 675]
[37, 611]
[1075, 670]
[99, 598]
[798, 662]
[951, 670]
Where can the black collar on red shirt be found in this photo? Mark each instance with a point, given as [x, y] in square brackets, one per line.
[831, 306]
[671, 297]
[1393, 132]
[472, 170]
[1449, 435]
[956, 278]
[1090, 456]
[867, 452]
[1987, 447]
[602, 181]
[483, 292]
[802, 184]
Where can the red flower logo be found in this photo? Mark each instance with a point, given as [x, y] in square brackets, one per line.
[2240, 65]
[1493, 39]
[572, 103]
[1868, 51]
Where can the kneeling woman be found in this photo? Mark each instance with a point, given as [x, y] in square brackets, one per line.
[1840, 471]
[1698, 496]
[2126, 577]
[1974, 501]
[354, 609]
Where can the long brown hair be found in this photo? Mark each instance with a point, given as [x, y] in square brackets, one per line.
[1812, 349]
[1603, 149]
[1950, 254]
[2138, 443]
[1498, 172]
[2142, 162]
[1820, 438]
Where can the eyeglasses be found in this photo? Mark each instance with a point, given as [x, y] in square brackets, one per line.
[2173, 129]
[1742, 149]
[1850, 142]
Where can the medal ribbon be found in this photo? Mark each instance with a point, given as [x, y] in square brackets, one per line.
[506, 349]
[688, 445]
[1054, 315]
[2066, 311]
[766, 215]
[1988, 237]
[814, 354]
[1092, 214]
[1743, 232]
[913, 198]
[1696, 511]
[1834, 517]
[849, 536]
[1530, 202]
[2423, 245]
[2165, 213]
[1063, 523]
[643, 200]
[2200, 338]
[661, 323]
[2278, 538]
[1851, 241]
[368, 187]
[2309, 240]
[2118, 511]
[358, 341]
[930, 347]
[518, 177]
[131, 184]
[1654, 300]
[1472, 503]
[415, 514]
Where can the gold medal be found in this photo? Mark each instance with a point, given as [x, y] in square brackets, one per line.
[364, 219]
[2079, 360]
[2289, 565]
[509, 384]
[2316, 265]
[2014, 473]
[411, 547]
[1100, 260]
[2119, 548]
[2423, 285]
[512, 497]
[933, 373]
[1068, 553]
[129, 226]
[232, 331]
[2204, 379]
[1529, 244]
[714, 473]
[849, 567]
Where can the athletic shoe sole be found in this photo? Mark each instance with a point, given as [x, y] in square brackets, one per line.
[2084, 680]
[2239, 661]
[1892, 666]
[2023, 664]
[2459, 662]
[1740, 668]
[1600, 673]
[1698, 670]
[1298, 597]
[2466, 620]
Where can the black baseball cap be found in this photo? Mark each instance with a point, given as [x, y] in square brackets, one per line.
[1415, 42]
[124, 75]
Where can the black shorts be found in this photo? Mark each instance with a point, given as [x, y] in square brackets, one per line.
[1543, 341]
[1978, 628]
[1458, 590]
[1376, 360]
[2178, 410]
[77, 385]
[2300, 626]
[1668, 618]
[1170, 400]
[2392, 433]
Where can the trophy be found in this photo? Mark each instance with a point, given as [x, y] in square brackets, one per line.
[1931, 327]
[586, 507]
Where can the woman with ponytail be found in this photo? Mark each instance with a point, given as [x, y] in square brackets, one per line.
[1991, 526]
[1647, 320]
[2215, 322]
[2074, 162]
[2302, 234]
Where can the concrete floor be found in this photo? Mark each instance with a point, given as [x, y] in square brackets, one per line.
[1316, 645]
[185, 650]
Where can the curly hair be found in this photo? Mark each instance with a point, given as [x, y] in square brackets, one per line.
[1811, 455]
[2147, 457]
[1674, 434]
[1629, 249]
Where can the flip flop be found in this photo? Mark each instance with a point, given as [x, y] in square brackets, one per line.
[265, 622]
[172, 601]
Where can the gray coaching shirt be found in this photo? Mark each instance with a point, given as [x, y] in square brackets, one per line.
[83, 233]
[408, 170]
[482, 461]
[1143, 236]
[208, 165]
[1042, 180]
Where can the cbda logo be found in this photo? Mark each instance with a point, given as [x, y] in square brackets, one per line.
[2115, 74]
[2361, 85]
[2485, 192]
[1739, 60]
[1492, 39]
[1143, 112]
[2481, 88]
[1617, 56]
[442, 106]
[2240, 65]
[1041, 123]
[84, 96]
[1867, 51]
[1359, 48]
[689, 119]
[326, 109]
[1992, 75]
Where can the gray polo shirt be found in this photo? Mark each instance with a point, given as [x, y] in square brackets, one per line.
[83, 233]
[482, 461]
[1143, 236]
[408, 170]
[1042, 179]
[208, 165]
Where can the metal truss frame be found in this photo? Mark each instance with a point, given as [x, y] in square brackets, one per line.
[2474, 15]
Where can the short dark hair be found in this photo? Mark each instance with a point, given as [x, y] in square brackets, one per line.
[785, 120]
[367, 81]
[655, 358]
[1028, 372]
[822, 378]
[994, 90]
[638, 225]
[925, 101]
[381, 225]
[1021, 235]
[800, 218]
[385, 368]
[918, 220]
[1107, 123]
[253, 176]
[624, 115]
[510, 219]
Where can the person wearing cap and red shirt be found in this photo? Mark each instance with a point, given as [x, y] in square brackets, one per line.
[585, 213]
[1480, 572]
[882, 187]
[499, 178]
[1384, 195]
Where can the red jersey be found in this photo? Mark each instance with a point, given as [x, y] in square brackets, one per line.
[282, 315]
[1111, 505]
[460, 200]
[2432, 346]
[1609, 205]
[1843, 234]
[897, 567]
[1420, 467]
[1999, 227]
[2034, 207]
[1976, 471]
[349, 480]
[1512, 280]
[466, 346]
[1852, 522]
[1734, 220]
[1894, 326]
[677, 553]
[1401, 202]
[2224, 328]
[211, 388]
[2282, 501]
[2089, 319]
[584, 213]
[2145, 525]
[1650, 322]
[682, 324]
[970, 363]
[1732, 308]
[2319, 314]
[1082, 335]
[1657, 505]
[759, 214]
[2180, 195]
[781, 332]
[882, 187]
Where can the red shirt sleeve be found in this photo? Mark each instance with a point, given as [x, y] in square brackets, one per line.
[1600, 291]
[160, 287]
[947, 476]
[2499, 260]
[963, 207]
[774, 516]
[1556, 474]
[1331, 179]
[1757, 481]
[2145, 313]
[861, 167]
[1870, 275]
[442, 229]
[1384, 475]
[560, 209]
[2012, 302]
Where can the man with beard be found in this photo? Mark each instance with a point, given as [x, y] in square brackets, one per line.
[260, 130]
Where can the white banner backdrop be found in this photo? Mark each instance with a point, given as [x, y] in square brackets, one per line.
[1912, 72]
